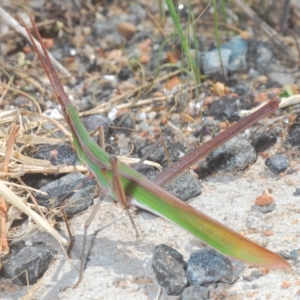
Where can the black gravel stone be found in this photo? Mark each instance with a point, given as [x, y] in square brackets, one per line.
[297, 192]
[241, 89]
[294, 133]
[194, 292]
[125, 73]
[184, 186]
[169, 268]
[235, 155]
[208, 266]
[34, 259]
[62, 154]
[267, 208]
[176, 151]
[277, 163]
[124, 123]
[78, 201]
[91, 123]
[260, 54]
[148, 171]
[225, 108]
[263, 139]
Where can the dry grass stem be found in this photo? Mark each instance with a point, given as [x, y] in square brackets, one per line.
[12, 198]
[4, 249]
[284, 102]
[9, 148]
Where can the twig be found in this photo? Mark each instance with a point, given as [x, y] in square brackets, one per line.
[9, 148]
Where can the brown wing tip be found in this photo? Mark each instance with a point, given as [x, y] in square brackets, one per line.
[275, 263]
[281, 264]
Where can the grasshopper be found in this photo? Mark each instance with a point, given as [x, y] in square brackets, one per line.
[131, 188]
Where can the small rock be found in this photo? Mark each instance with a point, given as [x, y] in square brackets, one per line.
[184, 186]
[52, 113]
[62, 154]
[256, 273]
[34, 259]
[297, 192]
[241, 89]
[268, 232]
[282, 78]
[285, 285]
[225, 108]
[114, 40]
[277, 163]
[207, 266]
[291, 171]
[267, 208]
[234, 155]
[294, 133]
[81, 200]
[194, 292]
[246, 96]
[77, 202]
[124, 124]
[285, 254]
[248, 278]
[233, 55]
[263, 139]
[239, 48]
[169, 268]
[176, 150]
[124, 74]
[210, 61]
[126, 29]
[142, 116]
[294, 254]
[261, 53]
[148, 171]
[93, 122]
[264, 199]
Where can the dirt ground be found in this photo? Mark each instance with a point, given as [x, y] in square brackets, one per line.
[119, 265]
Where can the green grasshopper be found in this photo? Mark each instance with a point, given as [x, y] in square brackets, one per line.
[129, 187]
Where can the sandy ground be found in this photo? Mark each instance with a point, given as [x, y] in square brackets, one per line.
[119, 265]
